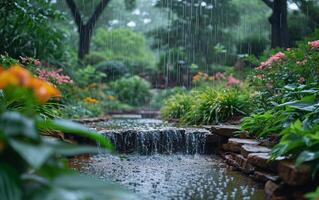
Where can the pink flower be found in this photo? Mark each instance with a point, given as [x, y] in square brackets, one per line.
[219, 75]
[301, 62]
[314, 44]
[276, 57]
[301, 80]
[231, 81]
[269, 85]
[259, 76]
[54, 76]
[37, 62]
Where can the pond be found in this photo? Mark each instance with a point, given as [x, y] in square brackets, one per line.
[173, 175]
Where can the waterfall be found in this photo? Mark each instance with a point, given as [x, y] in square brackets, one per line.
[163, 141]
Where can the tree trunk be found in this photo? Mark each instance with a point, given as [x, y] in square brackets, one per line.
[279, 24]
[84, 41]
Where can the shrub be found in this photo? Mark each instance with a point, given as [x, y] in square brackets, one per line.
[176, 106]
[212, 106]
[113, 69]
[160, 96]
[134, 91]
[94, 58]
[88, 75]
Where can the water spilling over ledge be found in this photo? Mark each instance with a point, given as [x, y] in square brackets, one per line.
[164, 141]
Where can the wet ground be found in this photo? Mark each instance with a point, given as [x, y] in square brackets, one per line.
[163, 177]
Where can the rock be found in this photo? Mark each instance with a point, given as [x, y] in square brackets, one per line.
[292, 175]
[273, 191]
[234, 144]
[264, 177]
[243, 164]
[231, 161]
[248, 148]
[225, 130]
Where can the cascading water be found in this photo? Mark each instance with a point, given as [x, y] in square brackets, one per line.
[164, 141]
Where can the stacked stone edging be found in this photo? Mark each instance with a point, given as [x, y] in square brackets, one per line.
[281, 178]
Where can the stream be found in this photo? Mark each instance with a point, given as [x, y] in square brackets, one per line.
[154, 169]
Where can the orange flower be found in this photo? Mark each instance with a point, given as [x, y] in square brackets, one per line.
[23, 75]
[44, 90]
[110, 97]
[6, 78]
[90, 100]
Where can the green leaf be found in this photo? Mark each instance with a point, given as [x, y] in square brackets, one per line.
[73, 128]
[306, 156]
[13, 124]
[34, 154]
[9, 189]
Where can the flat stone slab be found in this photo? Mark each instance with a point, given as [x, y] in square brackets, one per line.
[248, 148]
[225, 130]
[264, 177]
[293, 175]
[234, 144]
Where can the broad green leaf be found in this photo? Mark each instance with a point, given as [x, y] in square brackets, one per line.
[75, 129]
[13, 124]
[34, 154]
[306, 156]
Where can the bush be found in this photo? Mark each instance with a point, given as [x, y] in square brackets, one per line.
[134, 91]
[88, 75]
[212, 106]
[160, 96]
[94, 58]
[252, 45]
[113, 69]
[176, 106]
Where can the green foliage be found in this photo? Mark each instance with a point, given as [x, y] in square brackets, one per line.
[313, 195]
[160, 96]
[124, 45]
[27, 30]
[206, 106]
[300, 144]
[94, 58]
[114, 69]
[212, 106]
[88, 75]
[134, 91]
[176, 106]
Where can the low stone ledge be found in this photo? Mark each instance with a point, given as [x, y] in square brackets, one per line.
[264, 177]
[235, 144]
[292, 175]
[248, 148]
[225, 130]
[261, 160]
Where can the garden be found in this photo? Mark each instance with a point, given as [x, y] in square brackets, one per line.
[161, 99]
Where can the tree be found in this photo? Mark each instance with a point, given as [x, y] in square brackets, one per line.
[279, 22]
[85, 29]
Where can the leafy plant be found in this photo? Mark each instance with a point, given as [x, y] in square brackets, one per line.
[134, 91]
[300, 144]
[88, 75]
[212, 106]
[176, 106]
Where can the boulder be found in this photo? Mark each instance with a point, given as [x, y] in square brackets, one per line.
[292, 175]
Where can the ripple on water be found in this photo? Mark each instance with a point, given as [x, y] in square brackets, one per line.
[173, 176]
